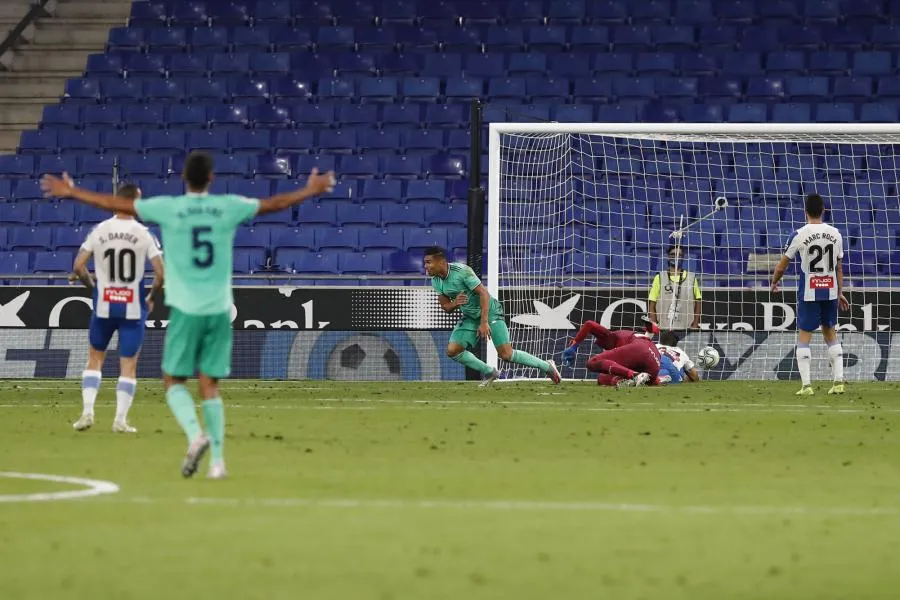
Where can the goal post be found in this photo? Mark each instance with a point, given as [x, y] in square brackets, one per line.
[583, 217]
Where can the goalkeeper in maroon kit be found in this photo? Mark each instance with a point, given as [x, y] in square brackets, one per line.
[628, 357]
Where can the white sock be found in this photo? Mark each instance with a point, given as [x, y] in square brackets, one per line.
[804, 358]
[124, 396]
[836, 356]
[90, 385]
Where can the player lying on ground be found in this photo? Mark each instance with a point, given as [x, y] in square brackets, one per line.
[608, 339]
[120, 247]
[482, 317]
[820, 291]
[198, 228]
[675, 364]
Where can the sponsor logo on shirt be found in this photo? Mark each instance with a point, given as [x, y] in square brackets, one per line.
[118, 295]
[821, 282]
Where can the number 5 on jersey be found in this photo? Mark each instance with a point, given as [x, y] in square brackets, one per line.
[203, 248]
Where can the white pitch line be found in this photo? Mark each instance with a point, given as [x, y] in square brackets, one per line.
[94, 487]
[524, 505]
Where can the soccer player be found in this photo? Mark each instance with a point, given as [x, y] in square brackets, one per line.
[675, 364]
[482, 317]
[198, 228]
[634, 364]
[608, 339]
[820, 290]
[120, 247]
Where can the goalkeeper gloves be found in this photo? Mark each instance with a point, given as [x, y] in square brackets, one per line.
[568, 356]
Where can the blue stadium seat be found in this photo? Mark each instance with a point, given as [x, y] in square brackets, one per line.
[223, 63]
[508, 38]
[403, 214]
[99, 165]
[68, 238]
[52, 262]
[28, 189]
[886, 36]
[842, 112]
[304, 164]
[374, 141]
[401, 114]
[205, 90]
[293, 141]
[632, 37]
[273, 10]
[254, 140]
[165, 141]
[399, 65]
[464, 88]
[268, 115]
[593, 90]
[878, 113]
[792, 113]
[335, 37]
[702, 113]
[192, 116]
[607, 11]
[547, 89]
[293, 237]
[381, 89]
[14, 263]
[765, 89]
[38, 142]
[310, 213]
[30, 238]
[426, 190]
[104, 64]
[807, 89]
[390, 190]
[269, 64]
[359, 166]
[147, 65]
[480, 65]
[546, 38]
[207, 139]
[158, 187]
[402, 167]
[67, 163]
[268, 165]
[231, 114]
[189, 13]
[423, 140]
[420, 89]
[446, 115]
[852, 89]
[713, 37]
[674, 37]
[360, 262]
[18, 212]
[255, 91]
[676, 87]
[374, 238]
[698, 64]
[366, 213]
[628, 88]
[125, 39]
[82, 90]
[338, 237]
[102, 116]
[160, 38]
[214, 39]
[875, 63]
[443, 65]
[655, 63]
[148, 13]
[63, 115]
[252, 238]
[524, 63]
[137, 166]
[825, 11]
[417, 238]
[254, 39]
[760, 38]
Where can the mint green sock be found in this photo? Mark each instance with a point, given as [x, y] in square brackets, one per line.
[214, 418]
[523, 358]
[182, 405]
[470, 360]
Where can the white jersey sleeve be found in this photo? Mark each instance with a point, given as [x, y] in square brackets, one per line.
[819, 247]
[679, 357]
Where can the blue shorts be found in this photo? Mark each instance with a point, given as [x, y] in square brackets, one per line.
[667, 367]
[816, 312]
[131, 334]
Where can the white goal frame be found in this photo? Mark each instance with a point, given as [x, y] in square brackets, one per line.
[813, 132]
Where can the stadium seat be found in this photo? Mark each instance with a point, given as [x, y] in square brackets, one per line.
[30, 238]
[52, 262]
[14, 263]
[360, 263]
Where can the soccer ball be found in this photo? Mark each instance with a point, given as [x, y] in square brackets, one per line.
[364, 357]
[708, 357]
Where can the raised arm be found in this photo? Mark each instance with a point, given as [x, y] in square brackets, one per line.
[64, 187]
[80, 271]
[316, 184]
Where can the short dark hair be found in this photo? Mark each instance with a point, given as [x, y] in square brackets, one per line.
[668, 338]
[198, 170]
[435, 251]
[128, 190]
[815, 206]
[671, 249]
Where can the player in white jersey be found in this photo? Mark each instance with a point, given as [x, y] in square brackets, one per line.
[120, 247]
[820, 290]
[675, 364]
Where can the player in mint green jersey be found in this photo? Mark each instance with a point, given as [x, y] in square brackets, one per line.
[198, 229]
[458, 287]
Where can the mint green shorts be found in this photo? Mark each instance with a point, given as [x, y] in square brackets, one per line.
[198, 344]
[466, 333]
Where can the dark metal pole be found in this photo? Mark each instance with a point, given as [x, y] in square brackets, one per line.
[475, 250]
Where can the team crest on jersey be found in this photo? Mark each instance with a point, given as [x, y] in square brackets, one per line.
[118, 295]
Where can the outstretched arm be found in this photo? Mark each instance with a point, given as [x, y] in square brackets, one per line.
[316, 184]
[64, 187]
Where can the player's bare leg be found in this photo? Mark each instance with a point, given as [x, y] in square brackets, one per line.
[804, 358]
[836, 358]
[90, 385]
[214, 419]
[182, 406]
[125, 389]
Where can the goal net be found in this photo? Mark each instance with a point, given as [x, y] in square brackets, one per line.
[582, 218]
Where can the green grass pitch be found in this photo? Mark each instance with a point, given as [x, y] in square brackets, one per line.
[442, 490]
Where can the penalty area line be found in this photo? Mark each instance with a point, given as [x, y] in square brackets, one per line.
[523, 505]
[92, 487]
